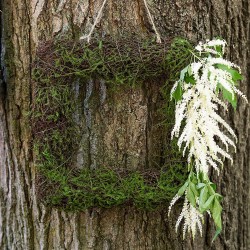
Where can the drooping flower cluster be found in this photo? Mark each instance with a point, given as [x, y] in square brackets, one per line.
[199, 107]
[198, 126]
[192, 219]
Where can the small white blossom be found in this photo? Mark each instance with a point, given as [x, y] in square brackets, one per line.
[210, 45]
[199, 48]
[216, 42]
[240, 94]
[220, 60]
[176, 197]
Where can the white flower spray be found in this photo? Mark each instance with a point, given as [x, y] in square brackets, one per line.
[198, 126]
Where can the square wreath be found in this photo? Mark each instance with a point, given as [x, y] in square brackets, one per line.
[123, 61]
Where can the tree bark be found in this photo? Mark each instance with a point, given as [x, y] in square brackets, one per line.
[128, 136]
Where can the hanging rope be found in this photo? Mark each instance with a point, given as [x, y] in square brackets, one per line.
[158, 37]
[88, 37]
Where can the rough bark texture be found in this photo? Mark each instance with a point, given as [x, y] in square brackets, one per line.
[26, 224]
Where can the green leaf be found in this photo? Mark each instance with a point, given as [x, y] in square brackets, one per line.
[193, 188]
[210, 190]
[183, 72]
[228, 96]
[177, 94]
[189, 79]
[201, 185]
[193, 178]
[207, 204]
[218, 197]
[216, 213]
[213, 185]
[203, 197]
[218, 48]
[234, 73]
[183, 189]
[191, 196]
[218, 231]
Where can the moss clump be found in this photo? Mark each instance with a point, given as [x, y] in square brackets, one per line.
[121, 61]
[103, 187]
[56, 132]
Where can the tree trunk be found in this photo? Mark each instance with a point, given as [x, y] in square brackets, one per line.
[27, 224]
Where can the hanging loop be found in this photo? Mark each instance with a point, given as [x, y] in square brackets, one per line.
[88, 37]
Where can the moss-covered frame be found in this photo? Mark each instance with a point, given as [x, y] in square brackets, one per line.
[123, 61]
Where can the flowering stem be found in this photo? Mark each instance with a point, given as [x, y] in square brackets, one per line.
[197, 124]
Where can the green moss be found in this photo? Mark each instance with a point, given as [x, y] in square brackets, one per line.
[56, 133]
[124, 61]
[104, 187]
[178, 57]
